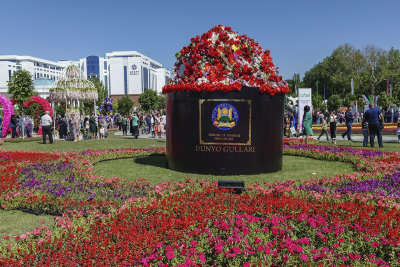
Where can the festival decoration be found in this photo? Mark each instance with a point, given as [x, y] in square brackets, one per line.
[41, 101]
[223, 60]
[8, 111]
[107, 107]
[73, 85]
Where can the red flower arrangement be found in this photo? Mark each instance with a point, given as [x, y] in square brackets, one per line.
[225, 61]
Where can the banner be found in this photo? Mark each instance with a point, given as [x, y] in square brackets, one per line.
[304, 100]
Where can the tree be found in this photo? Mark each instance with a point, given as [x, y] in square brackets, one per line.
[148, 100]
[334, 103]
[21, 87]
[349, 99]
[162, 102]
[101, 91]
[125, 105]
[385, 101]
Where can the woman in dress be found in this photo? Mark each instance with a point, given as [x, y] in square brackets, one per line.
[307, 123]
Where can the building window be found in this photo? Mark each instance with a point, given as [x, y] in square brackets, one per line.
[145, 78]
[126, 79]
[105, 65]
[106, 82]
[9, 75]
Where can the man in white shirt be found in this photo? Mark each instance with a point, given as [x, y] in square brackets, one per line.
[46, 127]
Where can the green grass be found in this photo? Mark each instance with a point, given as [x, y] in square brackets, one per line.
[112, 141]
[15, 222]
[153, 169]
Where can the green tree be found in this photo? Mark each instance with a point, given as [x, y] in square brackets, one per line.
[125, 105]
[334, 103]
[385, 101]
[349, 99]
[148, 100]
[162, 102]
[101, 91]
[21, 87]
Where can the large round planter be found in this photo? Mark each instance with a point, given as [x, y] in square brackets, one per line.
[237, 132]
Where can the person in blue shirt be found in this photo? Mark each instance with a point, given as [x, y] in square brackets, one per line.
[374, 118]
[348, 116]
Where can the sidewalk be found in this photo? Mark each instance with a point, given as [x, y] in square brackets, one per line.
[146, 136]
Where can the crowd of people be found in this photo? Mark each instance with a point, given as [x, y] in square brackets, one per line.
[372, 122]
[21, 125]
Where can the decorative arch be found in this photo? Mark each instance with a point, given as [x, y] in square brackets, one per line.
[41, 101]
[8, 111]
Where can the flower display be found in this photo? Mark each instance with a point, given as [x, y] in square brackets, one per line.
[41, 101]
[223, 60]
[73, 85]
[350, 219]
[8, 111]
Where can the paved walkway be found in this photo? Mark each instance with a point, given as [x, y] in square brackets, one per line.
[119, 133]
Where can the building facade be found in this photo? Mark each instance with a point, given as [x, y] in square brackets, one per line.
[121, 72]
[44, 72]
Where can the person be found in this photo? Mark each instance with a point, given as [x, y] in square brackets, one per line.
[153, 123]
[364, 126]
[124, 123]
[398, 131]
[46, 127]
[161, 128]
[13, 126]
[348, 116]
[324, 128]
[75, 127]
[396, 116]
[374, 118]
[135, 125]
[164, 118]
[149, 123]
[28, 127]
[1, 126]
[307, 123]
[20, 123]
[63, 127]
[291, 123]
[86, 126]
[102, 132]
[92, 126]
[285, 123]
[332, 125]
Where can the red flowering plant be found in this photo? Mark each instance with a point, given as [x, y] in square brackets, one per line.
[223, 60]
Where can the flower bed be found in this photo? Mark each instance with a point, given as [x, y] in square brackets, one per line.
[348, 219]
[390, 128]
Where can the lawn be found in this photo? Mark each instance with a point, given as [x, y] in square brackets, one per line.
[153, 169]
[15, 222]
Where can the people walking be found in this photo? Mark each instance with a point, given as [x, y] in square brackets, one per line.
[324, 128]
[46, 127]
[348, 116]
[13, 125]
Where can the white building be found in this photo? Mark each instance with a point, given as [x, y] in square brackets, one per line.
[44, 72]
[122, 72]
[130, 73]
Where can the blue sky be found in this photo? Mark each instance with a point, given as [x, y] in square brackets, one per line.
[298, 33]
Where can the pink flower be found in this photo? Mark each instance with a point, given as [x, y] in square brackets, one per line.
[304, 257]
[48, 234]
[341, 240]
[23, 236]
[375, 244]
[236, 250]
[170, 254]
[246, 264]
[336, 245]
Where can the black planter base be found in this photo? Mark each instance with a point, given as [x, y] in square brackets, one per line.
[219, 133]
